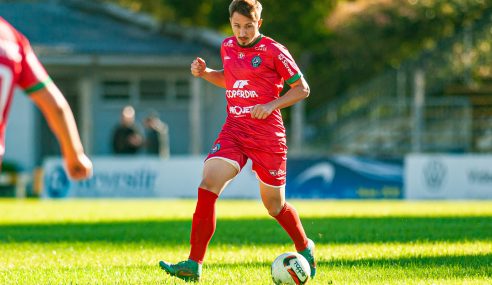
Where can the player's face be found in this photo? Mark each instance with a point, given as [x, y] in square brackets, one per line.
[245, 29]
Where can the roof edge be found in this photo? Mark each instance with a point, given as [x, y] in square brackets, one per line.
[116, 12]
[203, 36]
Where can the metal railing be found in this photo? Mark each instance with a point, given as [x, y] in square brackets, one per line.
[389, 129]
[409, 109]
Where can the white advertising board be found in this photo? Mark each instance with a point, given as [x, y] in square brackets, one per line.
[448, 176]
[141, 177]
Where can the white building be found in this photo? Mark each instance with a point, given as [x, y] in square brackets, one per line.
[102, 58]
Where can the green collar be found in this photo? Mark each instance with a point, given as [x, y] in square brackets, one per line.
[253, 43]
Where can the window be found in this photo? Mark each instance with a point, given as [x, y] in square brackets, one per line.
[153, 90]
[165, 90]
[116, 90]
[182, 89]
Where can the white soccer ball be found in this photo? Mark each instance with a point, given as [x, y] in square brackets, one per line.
[290, 268]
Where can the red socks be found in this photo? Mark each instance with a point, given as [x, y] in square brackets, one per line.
[289, 220]
[203, 225]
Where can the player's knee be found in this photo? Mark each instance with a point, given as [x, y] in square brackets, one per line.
[209, 184]
[274, 210]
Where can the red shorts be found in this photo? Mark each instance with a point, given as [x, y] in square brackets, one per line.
[270, 167]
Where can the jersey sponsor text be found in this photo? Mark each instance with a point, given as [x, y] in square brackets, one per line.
[244, 94]
[283, 59]
[240, 83]
[240, 111]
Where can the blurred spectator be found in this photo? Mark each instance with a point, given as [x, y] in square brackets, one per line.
[126, 137]
[156, 136]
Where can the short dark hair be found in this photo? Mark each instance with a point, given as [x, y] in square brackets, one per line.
[249, 8]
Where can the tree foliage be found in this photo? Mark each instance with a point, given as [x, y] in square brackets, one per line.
[382, 33]
[340, 43]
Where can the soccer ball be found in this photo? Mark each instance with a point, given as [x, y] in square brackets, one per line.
[290, 268]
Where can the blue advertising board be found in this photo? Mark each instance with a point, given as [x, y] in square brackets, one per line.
[344, 177]
[338, 177]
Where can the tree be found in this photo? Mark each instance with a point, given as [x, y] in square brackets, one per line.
[339, 43]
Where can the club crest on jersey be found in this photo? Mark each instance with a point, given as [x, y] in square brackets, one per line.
[240, 55]
[215, 148]
[256, 61]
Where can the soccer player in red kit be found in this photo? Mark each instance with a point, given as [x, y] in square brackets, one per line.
[20, 67]
[255, 69]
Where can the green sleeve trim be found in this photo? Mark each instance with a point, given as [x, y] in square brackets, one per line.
[293, 78]
[38, 86]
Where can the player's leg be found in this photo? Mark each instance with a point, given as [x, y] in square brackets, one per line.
[274, 200]
[271, 170]
[216, 174]
[286, 215]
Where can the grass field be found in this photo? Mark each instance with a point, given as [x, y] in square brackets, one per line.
[121, 241]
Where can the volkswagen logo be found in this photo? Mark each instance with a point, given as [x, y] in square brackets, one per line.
[434, 173]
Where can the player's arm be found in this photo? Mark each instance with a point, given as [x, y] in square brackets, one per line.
[44, 93]
[299, 90]
[199, 69]
[61, 121]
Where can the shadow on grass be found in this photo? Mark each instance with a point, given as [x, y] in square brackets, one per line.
[474, 262]
[448, 266]
[259, 231]
[463, 265]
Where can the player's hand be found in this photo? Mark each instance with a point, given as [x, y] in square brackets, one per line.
[79, 167]
[198, 67]
[261, 111]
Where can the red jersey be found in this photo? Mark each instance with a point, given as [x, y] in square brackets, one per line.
[19, 66]
[256, 75]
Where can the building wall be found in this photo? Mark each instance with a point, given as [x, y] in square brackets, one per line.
[106, 119]
[213, 114]
[172, 110]
[21, 136]
[27, 131]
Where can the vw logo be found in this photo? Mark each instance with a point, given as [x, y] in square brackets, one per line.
[434, 173]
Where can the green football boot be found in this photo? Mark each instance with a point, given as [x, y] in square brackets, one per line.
[187, 270]
[308, 253]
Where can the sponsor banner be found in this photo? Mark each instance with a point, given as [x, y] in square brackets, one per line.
[344, 177]
[141, 177]
[448, 176]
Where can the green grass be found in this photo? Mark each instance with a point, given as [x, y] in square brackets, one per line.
[367, 242]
